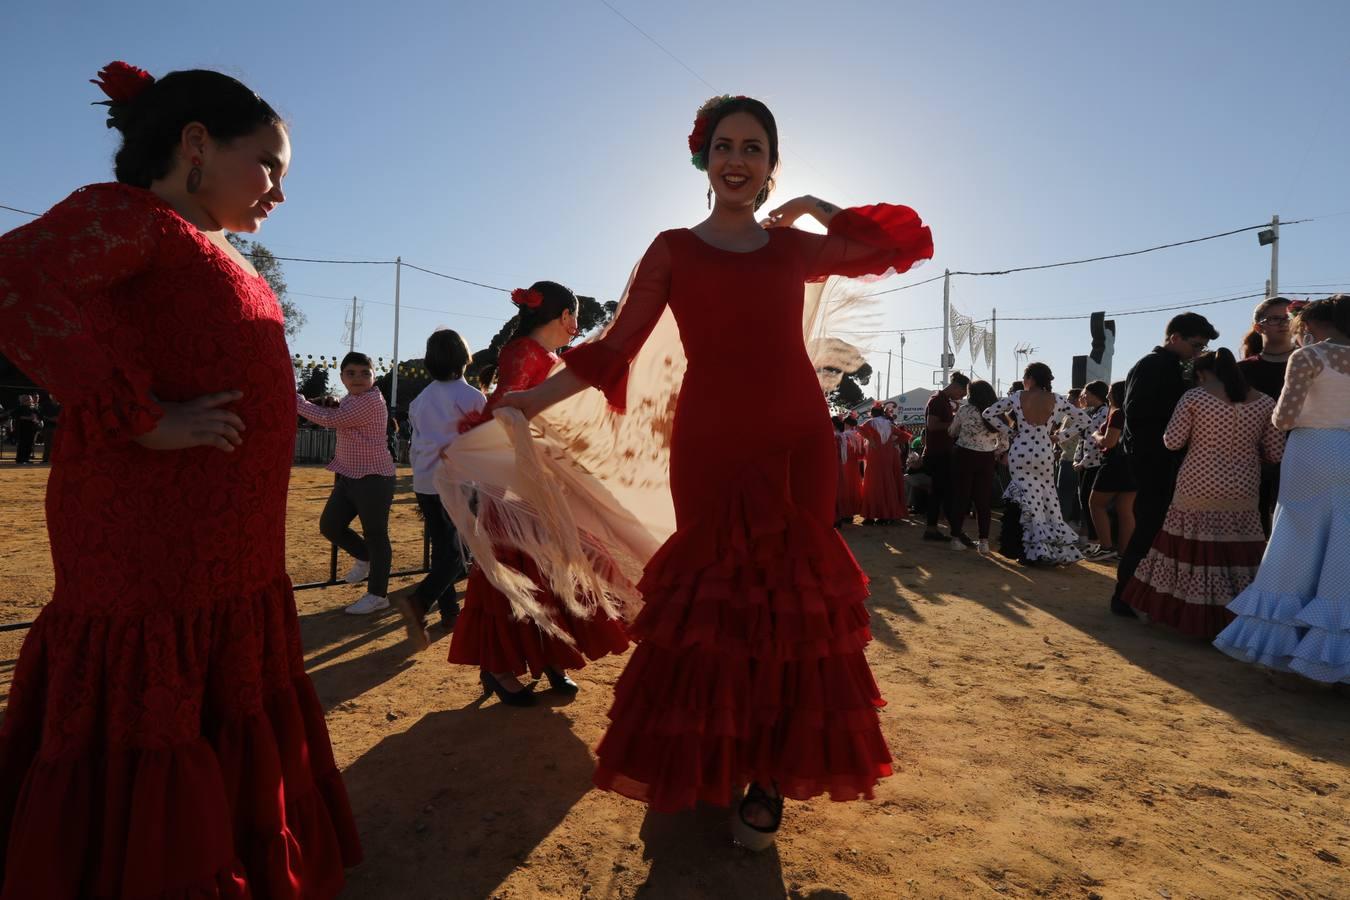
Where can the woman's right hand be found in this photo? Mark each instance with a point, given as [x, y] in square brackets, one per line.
[196, 423]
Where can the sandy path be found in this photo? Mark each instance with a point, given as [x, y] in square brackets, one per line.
[1046, 749]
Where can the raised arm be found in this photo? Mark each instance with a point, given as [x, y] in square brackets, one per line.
[1304, 366]
[994, 413]
[864, 240]
[368, 408]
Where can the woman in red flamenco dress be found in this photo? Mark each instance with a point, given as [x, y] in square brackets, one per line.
[749, 664]
[162, 739]
[883, 500]
[851, 449]
[487, 634]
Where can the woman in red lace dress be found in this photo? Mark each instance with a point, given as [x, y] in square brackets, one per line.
[487, 634]
[883, 490]
[749, 666]
[162, 738]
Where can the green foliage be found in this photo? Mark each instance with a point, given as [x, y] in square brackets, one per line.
[849, 393]
[315, 384]
[269, 267]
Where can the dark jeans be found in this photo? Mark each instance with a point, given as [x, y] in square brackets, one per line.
[24, 433]
[939, 469]
[1155, 477]
[972, 480]
[1086, 479]
[1066, 485]
[1270, 494]
[369, 498]
[447, 560]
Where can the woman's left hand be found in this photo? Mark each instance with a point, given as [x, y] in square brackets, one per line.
[525, 401]
[789, 212]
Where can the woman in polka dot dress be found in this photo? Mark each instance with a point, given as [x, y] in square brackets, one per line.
[1295, 617]
[1211, 542]
[1046, 537]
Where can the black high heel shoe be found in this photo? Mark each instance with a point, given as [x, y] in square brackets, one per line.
[756, 838]
[559, 681]
[522, 697]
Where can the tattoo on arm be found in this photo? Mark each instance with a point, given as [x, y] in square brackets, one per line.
[826, 207]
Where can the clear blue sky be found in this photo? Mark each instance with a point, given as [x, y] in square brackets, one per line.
[507, 142]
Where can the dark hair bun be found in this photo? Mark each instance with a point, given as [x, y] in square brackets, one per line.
[152, 119]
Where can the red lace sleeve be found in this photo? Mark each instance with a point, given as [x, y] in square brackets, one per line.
[56, 274]
[868, 240]
[603, 362]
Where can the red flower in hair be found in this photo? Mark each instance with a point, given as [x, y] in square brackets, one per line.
[698, 134]
[526, 299]
[122, 82]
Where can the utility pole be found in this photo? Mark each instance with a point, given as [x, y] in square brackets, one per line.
[1275, 256]
[393, 387]
[946, 325]
[902, 363]
[888, 374]
[993, 357]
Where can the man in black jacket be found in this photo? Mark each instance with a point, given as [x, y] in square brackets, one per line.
[1152, 390]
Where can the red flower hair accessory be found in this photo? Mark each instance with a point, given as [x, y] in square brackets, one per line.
[699, 135]
[123, 83]
[526, 299]
[876, 404]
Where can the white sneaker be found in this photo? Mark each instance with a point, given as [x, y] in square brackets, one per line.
[358, 572]
[983, 546]
[957, 545]
[368, 604]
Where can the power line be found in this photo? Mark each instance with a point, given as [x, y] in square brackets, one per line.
[905, 287]
[490, 287]
[659, 45]
[17, 210]
[1079, 262]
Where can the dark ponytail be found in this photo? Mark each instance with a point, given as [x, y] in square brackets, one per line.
[1225, 368]
[152, 123]
[556, 300]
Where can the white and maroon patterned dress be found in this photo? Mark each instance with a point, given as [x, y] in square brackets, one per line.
[1211, 542]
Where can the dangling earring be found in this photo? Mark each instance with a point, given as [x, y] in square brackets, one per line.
[710, 196]
[194, 179]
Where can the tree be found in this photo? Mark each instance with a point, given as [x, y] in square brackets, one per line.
[269, 267]
[315, 384]
[849, 394]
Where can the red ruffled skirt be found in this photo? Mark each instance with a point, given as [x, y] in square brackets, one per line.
[883, 490]
[1200, 561]
[749, 664]
[849, 502]
[171, 755]
[487, 635]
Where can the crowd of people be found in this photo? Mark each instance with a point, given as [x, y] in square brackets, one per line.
[162, 738]
[32, 422]
[1180, 475]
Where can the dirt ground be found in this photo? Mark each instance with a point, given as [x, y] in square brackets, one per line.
[1045, 749]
